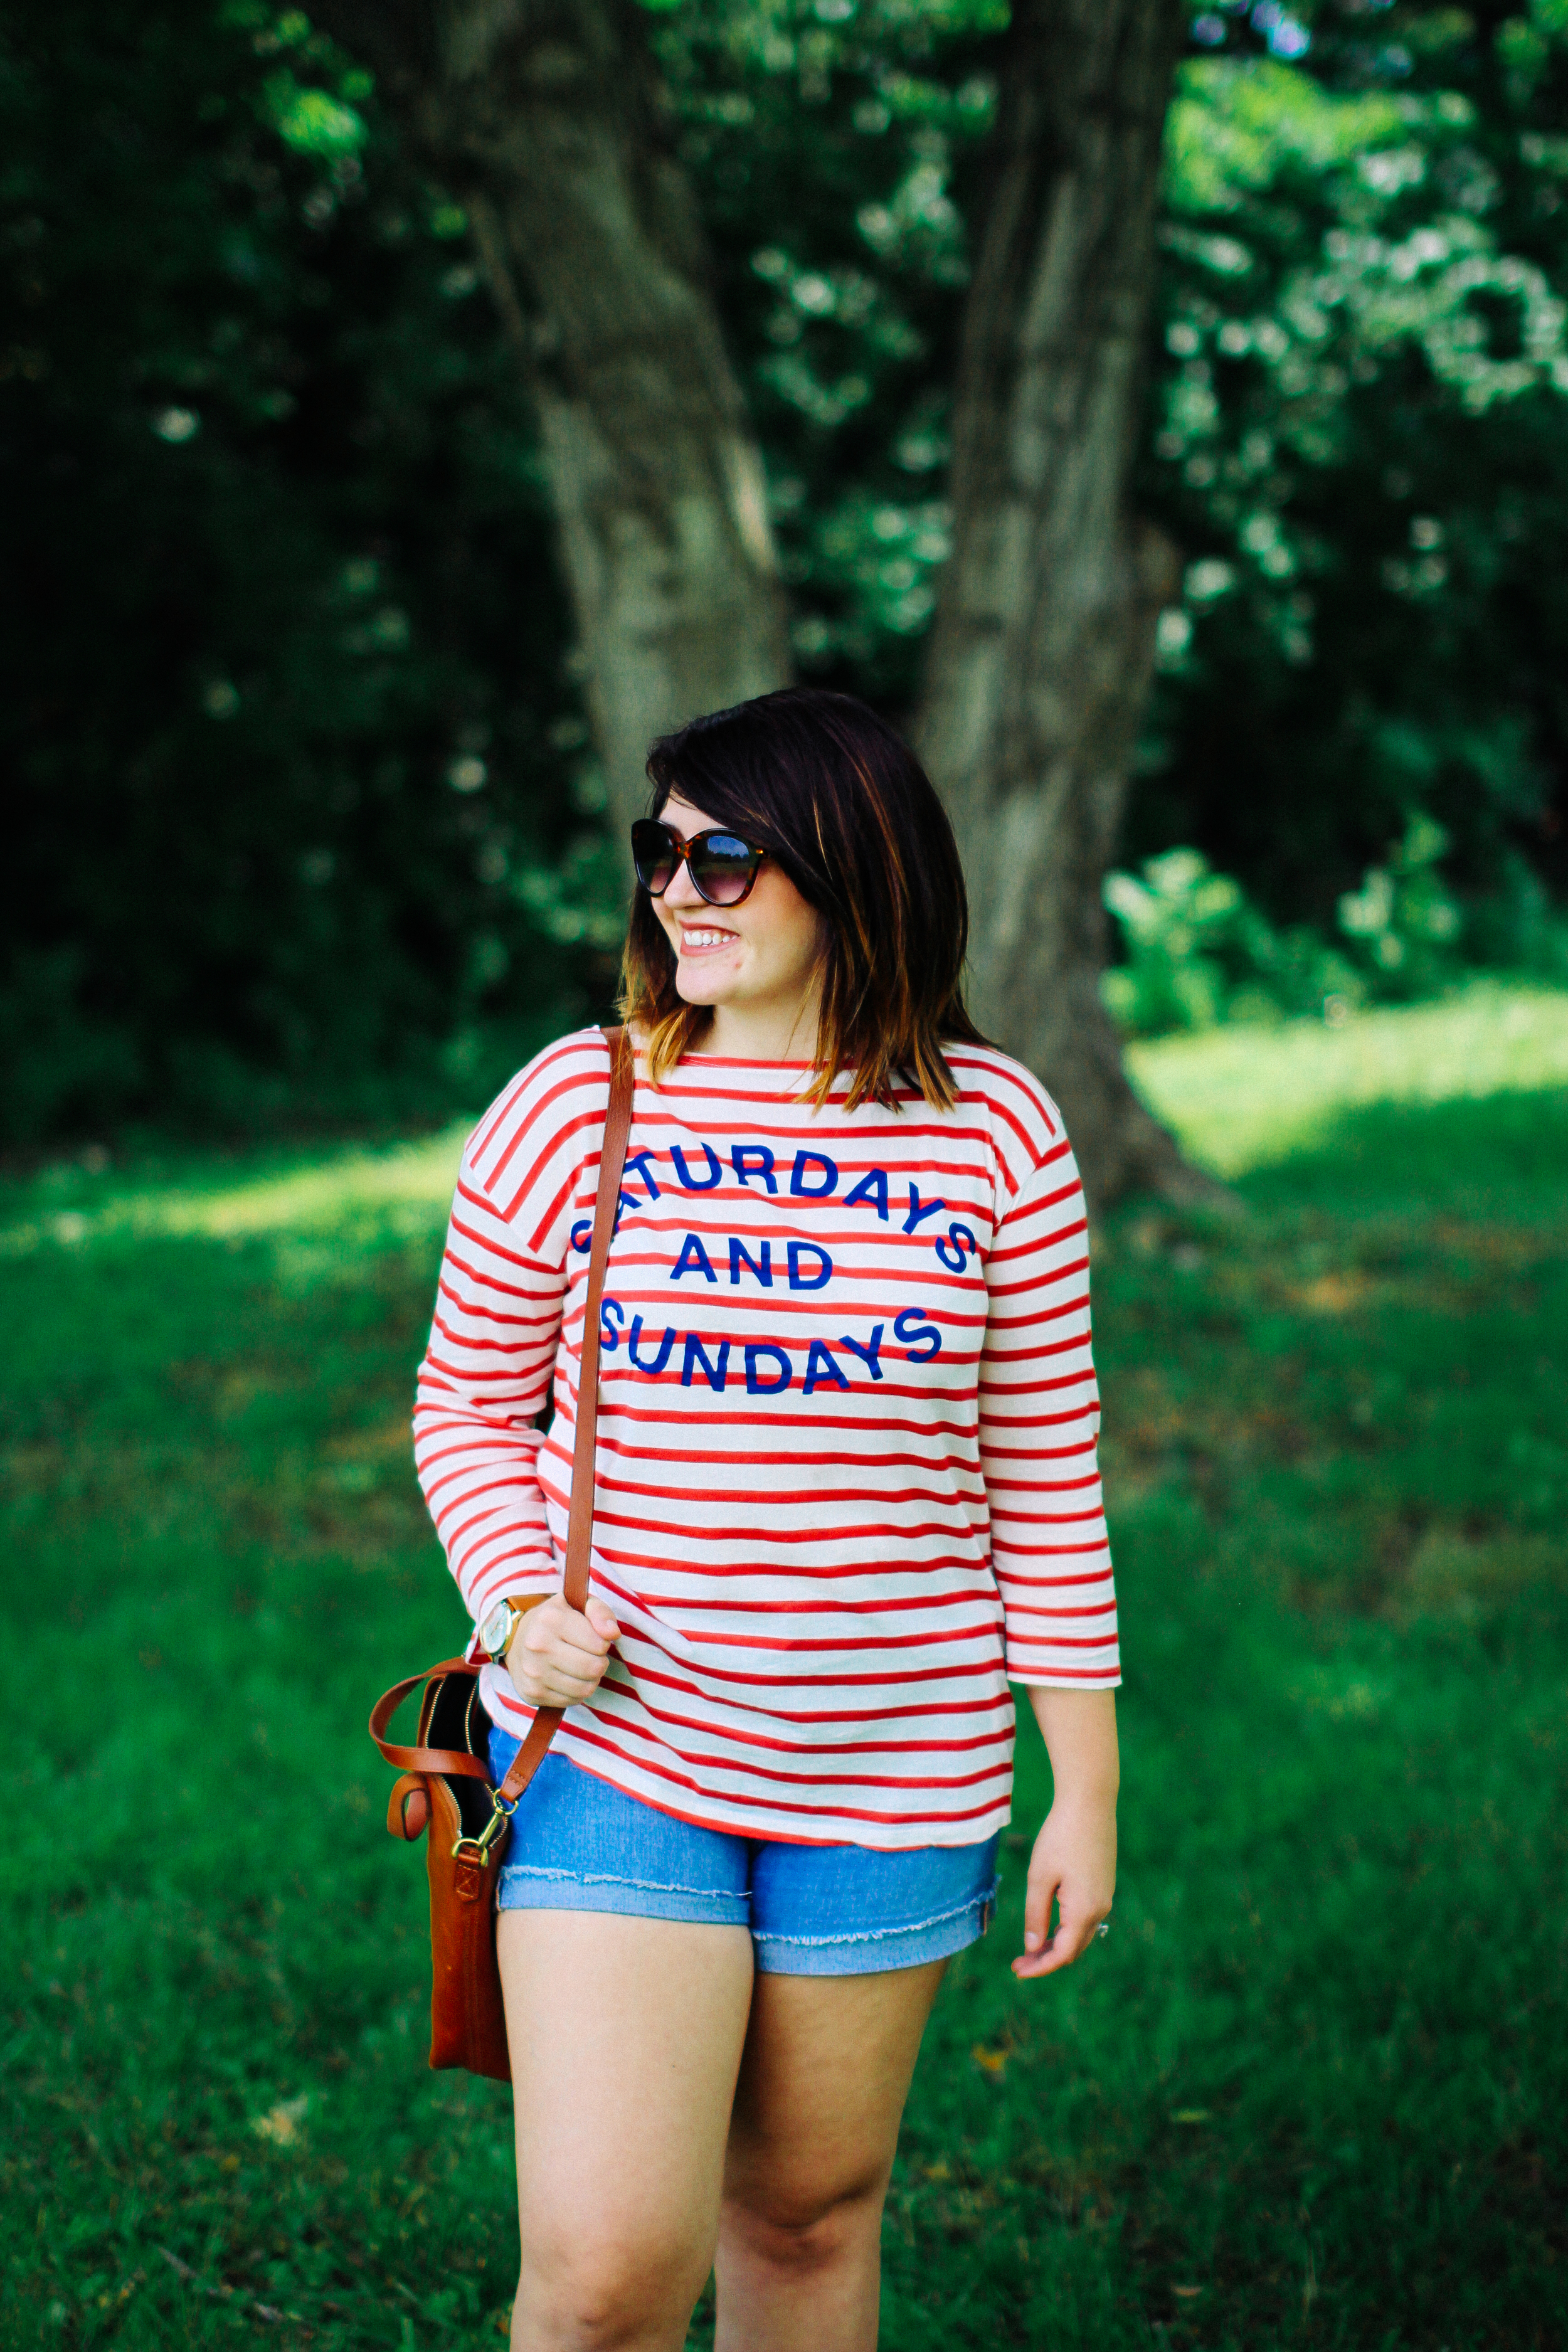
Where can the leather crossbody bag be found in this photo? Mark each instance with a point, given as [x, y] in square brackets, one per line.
[445, 1788]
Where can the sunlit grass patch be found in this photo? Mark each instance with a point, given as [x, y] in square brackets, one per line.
[404, 1187]
[1244, 1098]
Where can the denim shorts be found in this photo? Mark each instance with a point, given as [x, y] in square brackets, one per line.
[578, 1844]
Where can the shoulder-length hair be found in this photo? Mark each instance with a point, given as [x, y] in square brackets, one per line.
[833, 794]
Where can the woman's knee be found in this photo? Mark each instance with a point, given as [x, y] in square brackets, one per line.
[597, 2290]
[806, 2230]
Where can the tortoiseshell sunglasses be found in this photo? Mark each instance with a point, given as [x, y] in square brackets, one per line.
[722, 867]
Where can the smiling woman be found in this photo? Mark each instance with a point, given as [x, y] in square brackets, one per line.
[845, 1488]
[763, 958]
[854, 930]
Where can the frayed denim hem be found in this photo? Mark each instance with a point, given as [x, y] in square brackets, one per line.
[880, 1948]
[525, 1888]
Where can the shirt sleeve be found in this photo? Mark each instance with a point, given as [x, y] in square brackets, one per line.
[488, 1367]
[1040, 1430]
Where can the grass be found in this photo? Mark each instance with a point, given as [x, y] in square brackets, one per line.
[1313, 2089]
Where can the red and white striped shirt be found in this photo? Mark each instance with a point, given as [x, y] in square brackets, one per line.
[847, 1478]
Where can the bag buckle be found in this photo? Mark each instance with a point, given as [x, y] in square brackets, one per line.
[476, 1850]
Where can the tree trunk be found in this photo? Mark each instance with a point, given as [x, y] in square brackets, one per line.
[541, 117]
[1044, 641]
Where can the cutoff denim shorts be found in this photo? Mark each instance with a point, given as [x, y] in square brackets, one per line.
[812, 1910]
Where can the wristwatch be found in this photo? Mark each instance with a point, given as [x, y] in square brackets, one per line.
[500, 1623]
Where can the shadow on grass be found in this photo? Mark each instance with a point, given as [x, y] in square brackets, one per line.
[1502, 1157]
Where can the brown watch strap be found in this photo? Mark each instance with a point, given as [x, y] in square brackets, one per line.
[520, 1603]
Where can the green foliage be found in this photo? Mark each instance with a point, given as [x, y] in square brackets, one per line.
[1310, 2091]
[1358, 429]
[835, 154]
[1196, 950]
[1402, 916]
[1360, 440]
[282, 669]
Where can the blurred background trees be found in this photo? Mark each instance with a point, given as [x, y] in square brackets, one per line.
[285, 681]
[305, 820]
[543, 119]
[1049, 605]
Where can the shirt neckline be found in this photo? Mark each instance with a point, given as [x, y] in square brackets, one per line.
[745, 1062]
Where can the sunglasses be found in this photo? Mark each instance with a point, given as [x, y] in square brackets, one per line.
[722, 866]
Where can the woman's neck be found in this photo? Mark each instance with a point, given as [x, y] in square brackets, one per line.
[762, 1033]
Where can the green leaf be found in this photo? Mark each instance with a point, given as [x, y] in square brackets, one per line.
[309, 121]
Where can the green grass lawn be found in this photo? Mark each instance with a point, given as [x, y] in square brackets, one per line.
[1313, 2090]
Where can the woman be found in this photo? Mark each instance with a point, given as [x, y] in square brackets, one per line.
[845, 1488]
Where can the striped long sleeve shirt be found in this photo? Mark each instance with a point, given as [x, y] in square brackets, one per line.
[845, 1481]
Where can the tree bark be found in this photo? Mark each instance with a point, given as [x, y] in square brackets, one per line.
[1044, 641]
[541, 117]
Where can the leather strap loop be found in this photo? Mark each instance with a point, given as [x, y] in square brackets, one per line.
[423, 1759]
[408, 1807]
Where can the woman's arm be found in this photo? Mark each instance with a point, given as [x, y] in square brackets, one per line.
[1039, 1426]
[487, 1369]
[484, 1379]
[1073, 1866]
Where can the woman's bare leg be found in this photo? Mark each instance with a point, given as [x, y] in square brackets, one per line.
[823, 2083]
[625, 2039]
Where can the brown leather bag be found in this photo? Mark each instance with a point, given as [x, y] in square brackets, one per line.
[446, 1784]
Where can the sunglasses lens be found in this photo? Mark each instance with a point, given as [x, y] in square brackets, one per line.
[723, 867]
[653, 855]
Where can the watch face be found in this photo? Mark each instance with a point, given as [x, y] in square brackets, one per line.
[493, 1628]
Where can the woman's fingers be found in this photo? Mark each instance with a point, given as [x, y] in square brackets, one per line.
[551, 1690]
[559, 1653]
[557, 1624]
[603, 1620]
[543, 1683]
[1074, 1934]
[1039, 1895]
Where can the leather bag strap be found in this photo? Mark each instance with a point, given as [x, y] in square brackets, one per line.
[612, 1167]
[580, 1525]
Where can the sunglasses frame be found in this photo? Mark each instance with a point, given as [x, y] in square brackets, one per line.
[683, 850]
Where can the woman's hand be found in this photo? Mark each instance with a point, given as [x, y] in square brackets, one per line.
[1073, 1870]
[558, 1654]
[1073, 1867]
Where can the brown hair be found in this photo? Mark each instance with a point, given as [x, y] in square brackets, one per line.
[828, 790]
